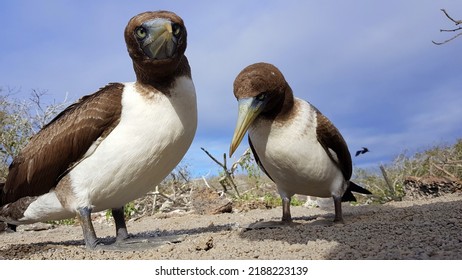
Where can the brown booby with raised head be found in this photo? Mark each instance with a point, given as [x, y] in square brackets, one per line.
[113, 146]
[294, 144]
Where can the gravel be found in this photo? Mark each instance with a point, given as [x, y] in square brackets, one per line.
[421, 229]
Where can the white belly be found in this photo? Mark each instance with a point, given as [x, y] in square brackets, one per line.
[293, 157]
[150, 140]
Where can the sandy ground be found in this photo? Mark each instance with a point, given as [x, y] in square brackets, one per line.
[424, 229]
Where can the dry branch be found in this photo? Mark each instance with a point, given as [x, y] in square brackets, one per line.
[457, 22]
[448, 40]
[450, 175]
[385, 177]
[227, 179]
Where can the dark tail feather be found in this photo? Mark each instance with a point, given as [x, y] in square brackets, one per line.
[355, 188]
[2, 194]
[352, 187]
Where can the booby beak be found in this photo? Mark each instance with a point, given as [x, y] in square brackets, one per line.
[158, 39]
[249, 109]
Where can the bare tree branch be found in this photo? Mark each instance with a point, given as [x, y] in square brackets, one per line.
[451, 30]
[213, 158]
[444, 42]
[457, 22]
[227, 179]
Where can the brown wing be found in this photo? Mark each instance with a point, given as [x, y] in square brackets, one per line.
[53, 150]
[257, 159]
[331, 139]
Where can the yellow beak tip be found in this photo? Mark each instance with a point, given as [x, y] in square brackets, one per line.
[231, 151]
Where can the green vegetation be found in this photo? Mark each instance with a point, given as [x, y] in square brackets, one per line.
[249, 167]
[67, 222]
[441, 161]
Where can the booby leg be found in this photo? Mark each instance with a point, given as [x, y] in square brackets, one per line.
[286, 217]
[89, 234]
[338, 209]
[121, 227]
[284, 222]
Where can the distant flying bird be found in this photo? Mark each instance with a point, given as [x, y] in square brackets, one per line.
[110, 147]
[362, 151]
[294, 144]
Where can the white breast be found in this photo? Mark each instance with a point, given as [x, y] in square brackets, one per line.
[154, 133]
[293, 157]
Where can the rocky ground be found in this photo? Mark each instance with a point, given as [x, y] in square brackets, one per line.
[421, 229]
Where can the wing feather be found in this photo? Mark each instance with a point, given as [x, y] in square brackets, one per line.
[331, 140]
[257, 159]
[65, 140]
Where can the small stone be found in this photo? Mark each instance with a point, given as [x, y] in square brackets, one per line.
[204, 244]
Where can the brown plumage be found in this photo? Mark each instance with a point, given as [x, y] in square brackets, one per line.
[291, 140]
[331, 139]
[62, 143]
[70, 167]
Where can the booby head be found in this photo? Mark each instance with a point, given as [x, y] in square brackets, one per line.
[156, 42]
[155, 36]
[261, 91]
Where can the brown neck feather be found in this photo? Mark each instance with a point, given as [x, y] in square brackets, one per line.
[160, 74]
[280, 110]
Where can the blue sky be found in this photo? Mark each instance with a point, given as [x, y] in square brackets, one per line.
[369, 66]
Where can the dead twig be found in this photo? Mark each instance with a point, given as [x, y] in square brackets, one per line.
[206, 183]
[183, 176]
[157, 192]
[214, 159]
[450, 175]
[448, 40]
[387, 180]
[227, 178]
[154, 200]
[457, 22]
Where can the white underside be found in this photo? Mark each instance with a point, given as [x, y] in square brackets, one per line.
[47, 207]
[152, 137]
[293, 157]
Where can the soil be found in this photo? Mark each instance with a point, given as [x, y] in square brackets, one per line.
[421, 229]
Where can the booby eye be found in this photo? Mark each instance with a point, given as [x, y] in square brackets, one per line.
[176, 29]
[261, 96]
[140, 32]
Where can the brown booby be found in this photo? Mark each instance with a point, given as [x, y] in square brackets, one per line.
[113, 146]
[293, 143]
